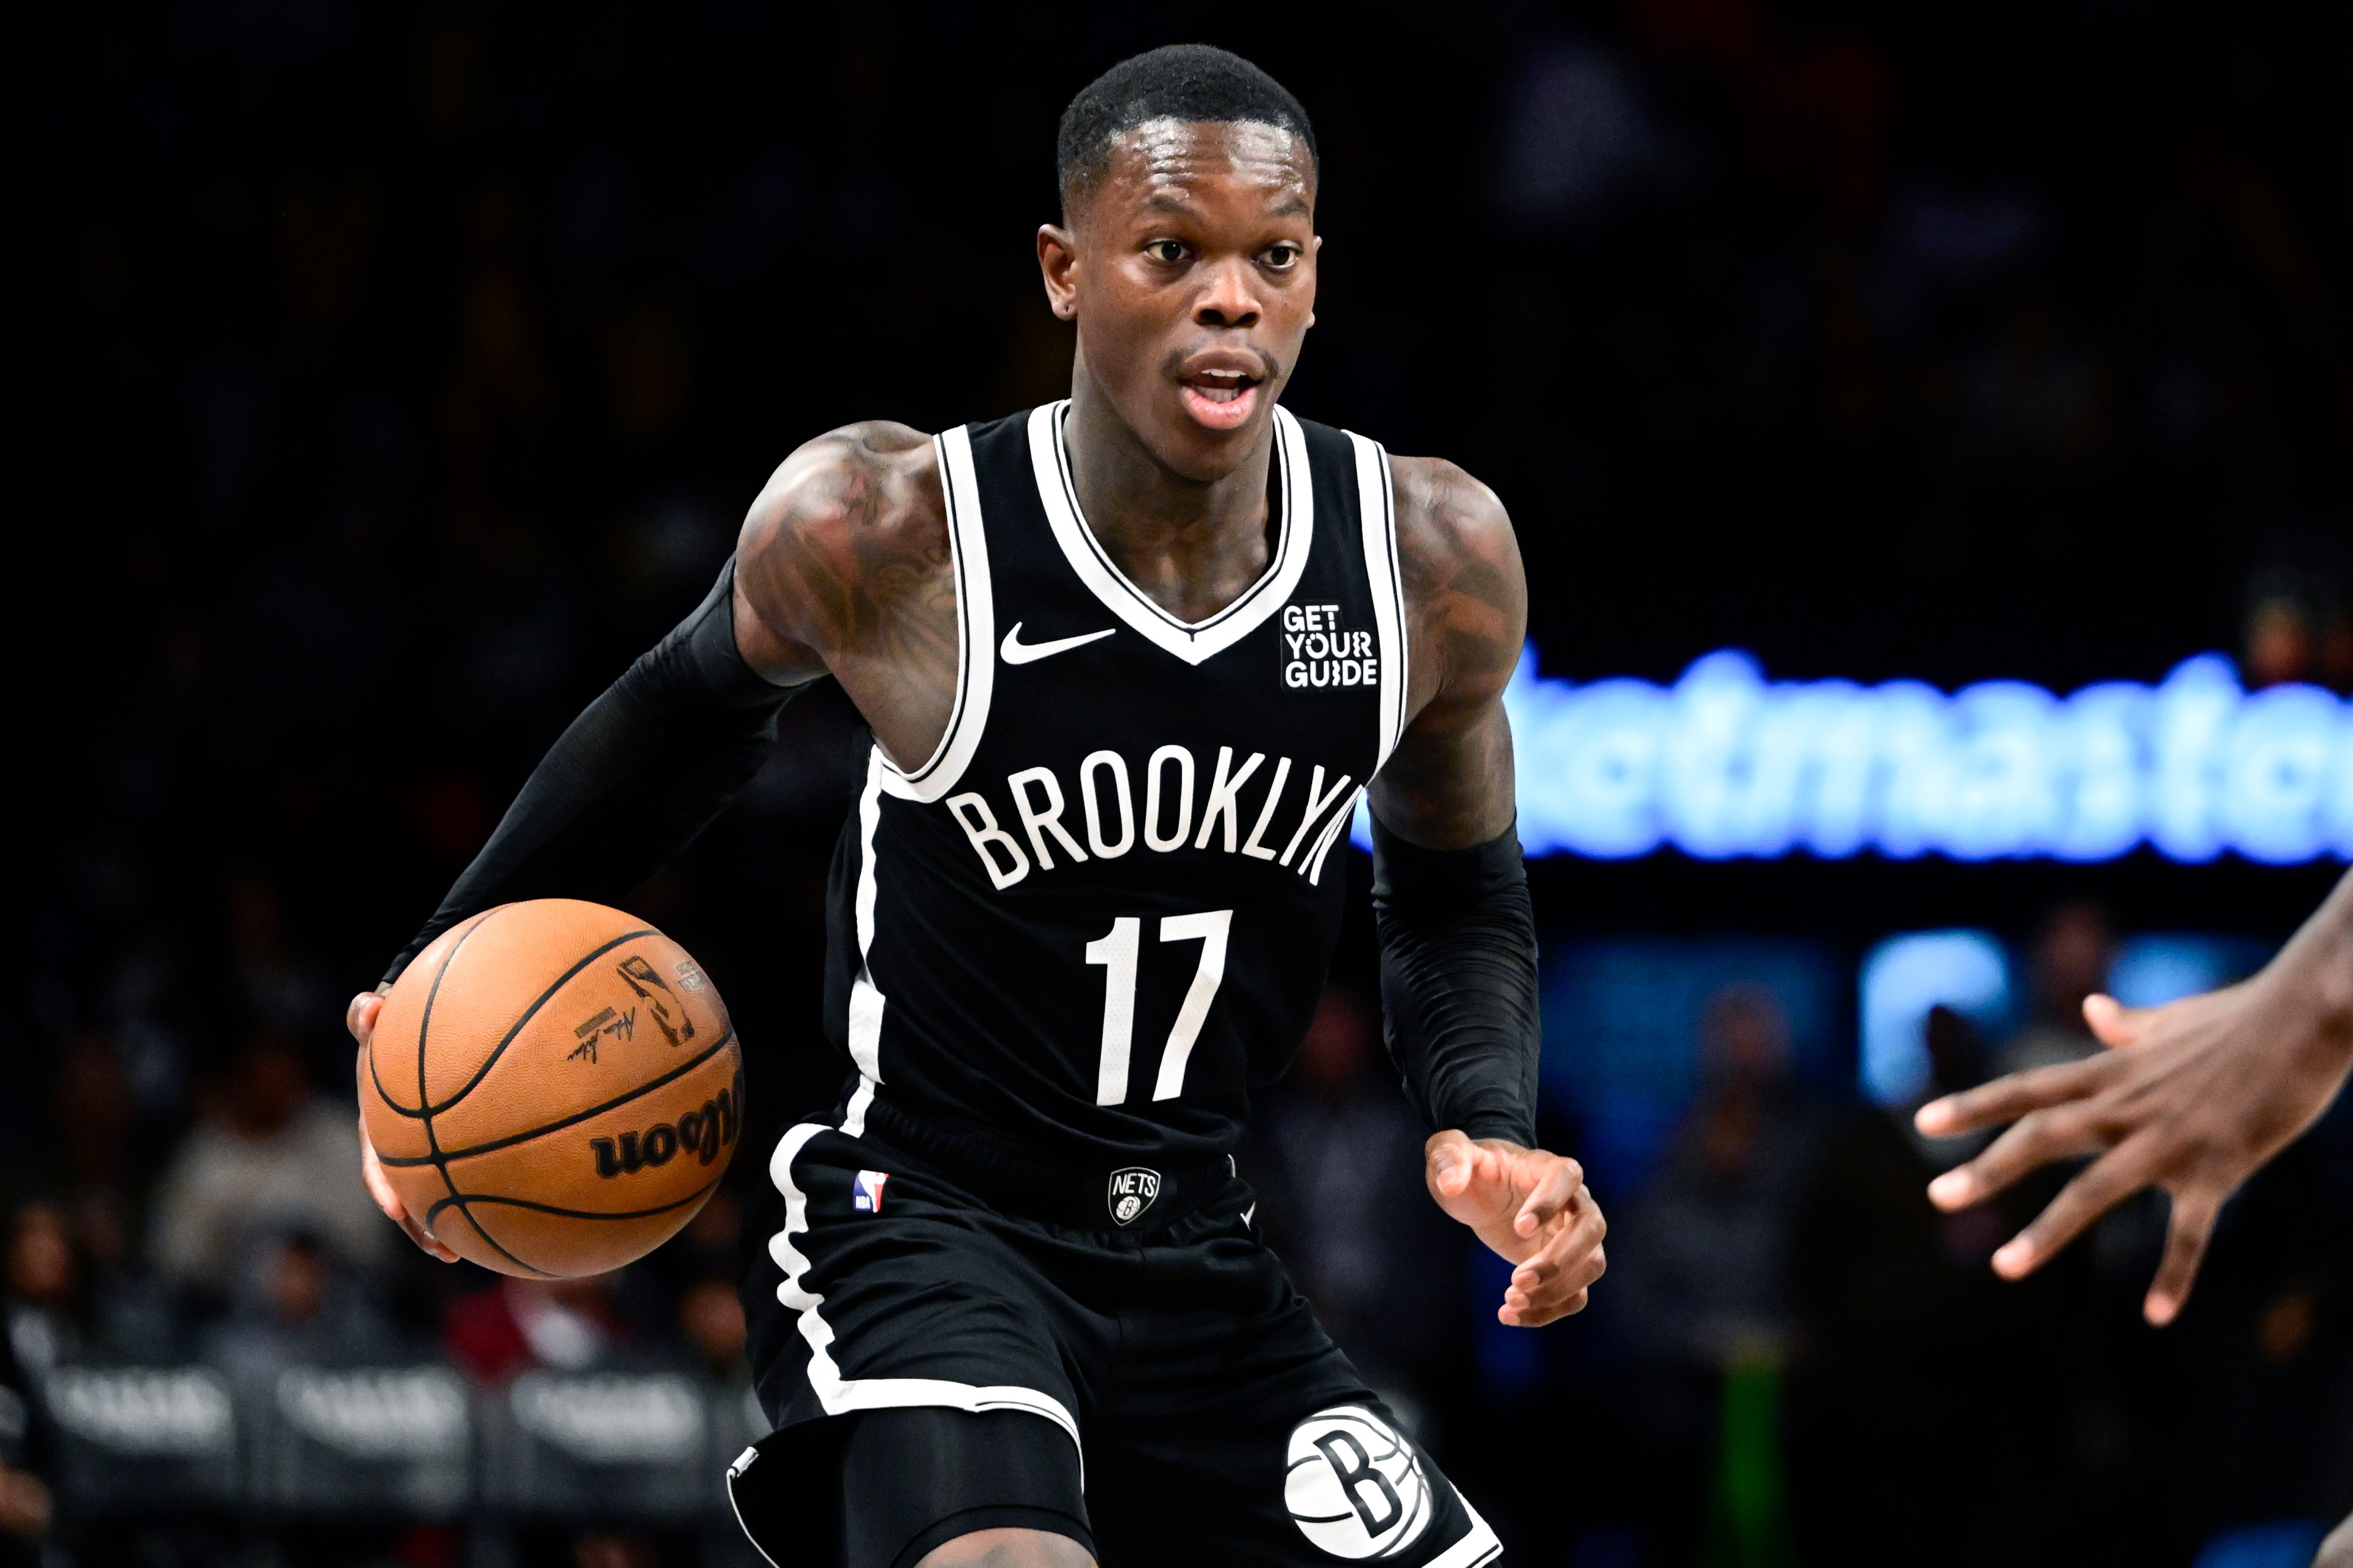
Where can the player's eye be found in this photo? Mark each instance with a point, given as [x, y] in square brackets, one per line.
[1168, 252]
[1282, 257]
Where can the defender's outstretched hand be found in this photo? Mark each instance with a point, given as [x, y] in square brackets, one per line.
[1530, 1206]
[360, 1019]
[2193, 1097]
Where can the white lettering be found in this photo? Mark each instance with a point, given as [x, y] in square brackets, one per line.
[1292, 620]
[1250, 845]
[1118, 766]
[1318, 804]
[1313, 867]
[1184, 761]
[982, 829]
[1294, 673]
[1222, 796]
[1050, 820]
[1296, 643]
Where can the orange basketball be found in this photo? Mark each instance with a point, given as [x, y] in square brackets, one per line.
[553, 1087]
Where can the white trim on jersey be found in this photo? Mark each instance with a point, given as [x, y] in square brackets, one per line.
[865, 998]
[975, 630]
[1195, 642]
[1478, 1545]
[1376, 504]
[840, 1396]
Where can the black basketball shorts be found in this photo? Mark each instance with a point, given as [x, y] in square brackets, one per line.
[1198, 1414]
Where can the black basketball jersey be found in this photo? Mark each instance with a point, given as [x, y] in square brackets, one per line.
[1106, 903]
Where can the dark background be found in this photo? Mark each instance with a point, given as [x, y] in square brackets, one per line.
[382, 379]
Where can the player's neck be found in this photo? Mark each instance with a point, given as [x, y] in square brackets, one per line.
[1193, 545]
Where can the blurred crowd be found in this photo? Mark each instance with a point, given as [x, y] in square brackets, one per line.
[386, 377]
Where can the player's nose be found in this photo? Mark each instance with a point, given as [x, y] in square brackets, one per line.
[1228, 297]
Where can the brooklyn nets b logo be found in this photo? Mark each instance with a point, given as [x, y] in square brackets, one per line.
[1355, 1488]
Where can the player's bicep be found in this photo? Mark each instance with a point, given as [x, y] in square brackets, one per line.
[1450, 782]
[799, 557]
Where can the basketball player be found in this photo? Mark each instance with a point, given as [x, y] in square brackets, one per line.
[1129, 660]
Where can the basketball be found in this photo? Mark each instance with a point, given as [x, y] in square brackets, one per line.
[553, 1087]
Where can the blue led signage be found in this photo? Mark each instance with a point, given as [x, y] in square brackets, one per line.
[1725, 762]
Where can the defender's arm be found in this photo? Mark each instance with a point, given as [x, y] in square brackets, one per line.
[1451, 898]
[2193, 1097]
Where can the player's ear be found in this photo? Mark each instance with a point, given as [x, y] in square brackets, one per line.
[1057, 262]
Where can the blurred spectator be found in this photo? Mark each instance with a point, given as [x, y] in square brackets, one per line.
[1343, 1199]
[283, 993]
[699, 1268]
[93, 1115]
[1699, 1263]
[2072, 957]
[518, 1324]
[1916, 1365]
[2297, 628]
[46, 1289]
[24, 1503]
[711, 1321]
[295, 1306]
[270, 1153]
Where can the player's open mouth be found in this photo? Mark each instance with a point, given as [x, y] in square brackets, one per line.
[1221, 399]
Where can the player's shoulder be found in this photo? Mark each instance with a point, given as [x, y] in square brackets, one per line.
[860, 485]
[1448, 522]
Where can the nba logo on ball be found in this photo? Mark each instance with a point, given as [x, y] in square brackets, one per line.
[1355, 1488]
[1132, 1192]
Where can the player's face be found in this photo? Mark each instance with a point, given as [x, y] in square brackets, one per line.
[1191, 274]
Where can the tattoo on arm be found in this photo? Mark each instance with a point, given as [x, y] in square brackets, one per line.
[1450, 782]
[843, 566]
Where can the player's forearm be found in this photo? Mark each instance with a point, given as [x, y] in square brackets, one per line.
[632, 781]
[1459, 981]
[2315, 971]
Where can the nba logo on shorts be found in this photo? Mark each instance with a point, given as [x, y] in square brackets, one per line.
[1355, 1488]
[1132, 1192]
[866, 1192]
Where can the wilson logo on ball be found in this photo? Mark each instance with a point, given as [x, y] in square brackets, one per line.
[1355, 1488]
[700, 1134]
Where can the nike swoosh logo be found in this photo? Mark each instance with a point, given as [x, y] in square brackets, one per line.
[1016, 651]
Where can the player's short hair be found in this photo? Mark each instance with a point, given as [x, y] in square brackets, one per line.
[1176, 81]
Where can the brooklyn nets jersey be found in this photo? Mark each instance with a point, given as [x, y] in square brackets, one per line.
[1074, 935]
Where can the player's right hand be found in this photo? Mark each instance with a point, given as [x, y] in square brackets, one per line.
[2193, 1097]
[360, 1019]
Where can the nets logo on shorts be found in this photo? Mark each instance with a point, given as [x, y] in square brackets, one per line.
[1131, 1193]
[1355, 1488]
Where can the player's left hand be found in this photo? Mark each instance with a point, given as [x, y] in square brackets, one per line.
[1530, 1206]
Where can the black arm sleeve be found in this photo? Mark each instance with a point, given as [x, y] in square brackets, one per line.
[1459, 981]
[642, 770]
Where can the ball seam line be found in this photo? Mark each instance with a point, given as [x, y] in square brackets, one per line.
[432, 1144]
